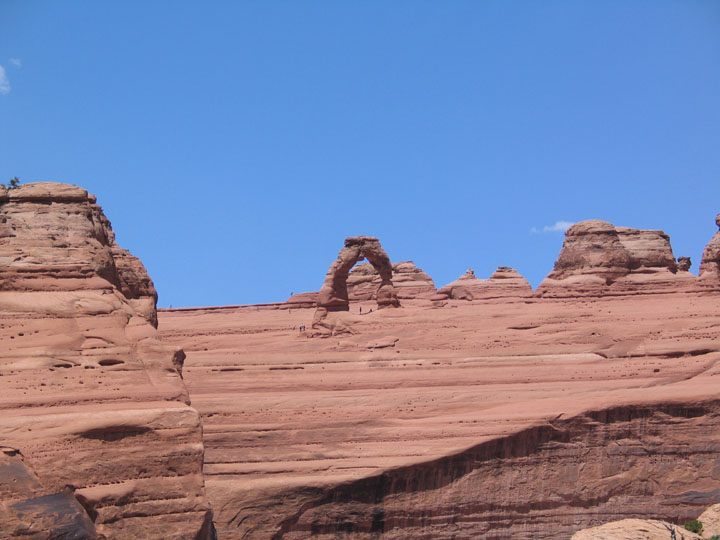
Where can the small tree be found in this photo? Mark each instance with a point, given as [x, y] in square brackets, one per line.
[694, 525]
[14, 182]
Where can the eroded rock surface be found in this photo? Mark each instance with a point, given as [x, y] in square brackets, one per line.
[636, 529]
[488, 419]
[599, 258]
[91, 399]
[504, 283]
[710, 265]
[409, 281]
[333, 295]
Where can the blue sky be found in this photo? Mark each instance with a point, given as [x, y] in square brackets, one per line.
[234, 145]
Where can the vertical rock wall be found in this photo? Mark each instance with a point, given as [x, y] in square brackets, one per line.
[94, 417]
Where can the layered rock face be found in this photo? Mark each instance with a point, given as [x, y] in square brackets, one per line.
[599, 258]
[410, 282]
[99, 437]
[488, 419]
[504, 283]
[710, 265]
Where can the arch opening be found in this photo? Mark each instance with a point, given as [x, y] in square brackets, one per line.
[333, 295]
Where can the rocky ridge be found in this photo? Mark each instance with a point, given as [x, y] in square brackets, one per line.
[99, 438]
[504, 283]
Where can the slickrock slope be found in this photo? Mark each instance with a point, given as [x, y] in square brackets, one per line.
[528, 419]
[506, 283]
[647, 529]
[99, 440]
[636, 529]
[598, 258]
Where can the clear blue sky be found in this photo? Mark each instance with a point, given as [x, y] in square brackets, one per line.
[234, 145]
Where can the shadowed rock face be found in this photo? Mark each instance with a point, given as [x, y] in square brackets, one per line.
[91, 400]
[710, 265]
[493, 419]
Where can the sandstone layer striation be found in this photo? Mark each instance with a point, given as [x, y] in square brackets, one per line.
[505, 282]
[409, 281]
[99, 438]
[710, 264]
[489, 419]
[598, 258]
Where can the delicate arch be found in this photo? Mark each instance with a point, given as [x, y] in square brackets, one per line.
[334, 294]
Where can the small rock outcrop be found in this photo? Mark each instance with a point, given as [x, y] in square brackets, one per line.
[94, 414]
[710, 264]
[684, 264]
[597, 255]
[505, 282]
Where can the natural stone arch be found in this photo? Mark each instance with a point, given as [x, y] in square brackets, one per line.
[334, 294]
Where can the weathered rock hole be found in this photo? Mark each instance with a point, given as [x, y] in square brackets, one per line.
[110, 362]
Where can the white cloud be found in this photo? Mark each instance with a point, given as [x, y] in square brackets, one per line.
[559, 226]
[16, 62]
[4, 83]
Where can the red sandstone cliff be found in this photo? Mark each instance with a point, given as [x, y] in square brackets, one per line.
[98, 435]
[510, 416]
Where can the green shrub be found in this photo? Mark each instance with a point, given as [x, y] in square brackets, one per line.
[715, 537]
[14, 182]
[694, 525]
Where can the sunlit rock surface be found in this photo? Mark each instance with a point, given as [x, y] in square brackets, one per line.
[98, 435]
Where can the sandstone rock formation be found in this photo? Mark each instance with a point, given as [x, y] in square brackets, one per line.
[710, 264]
[333, 295]
[99, 438]
[363, 281]
[651, 529]
[488, 419]
[504, 283]
[599, 258]
[636, 529]
[409, 281]
[684, 264]
[303, 300]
